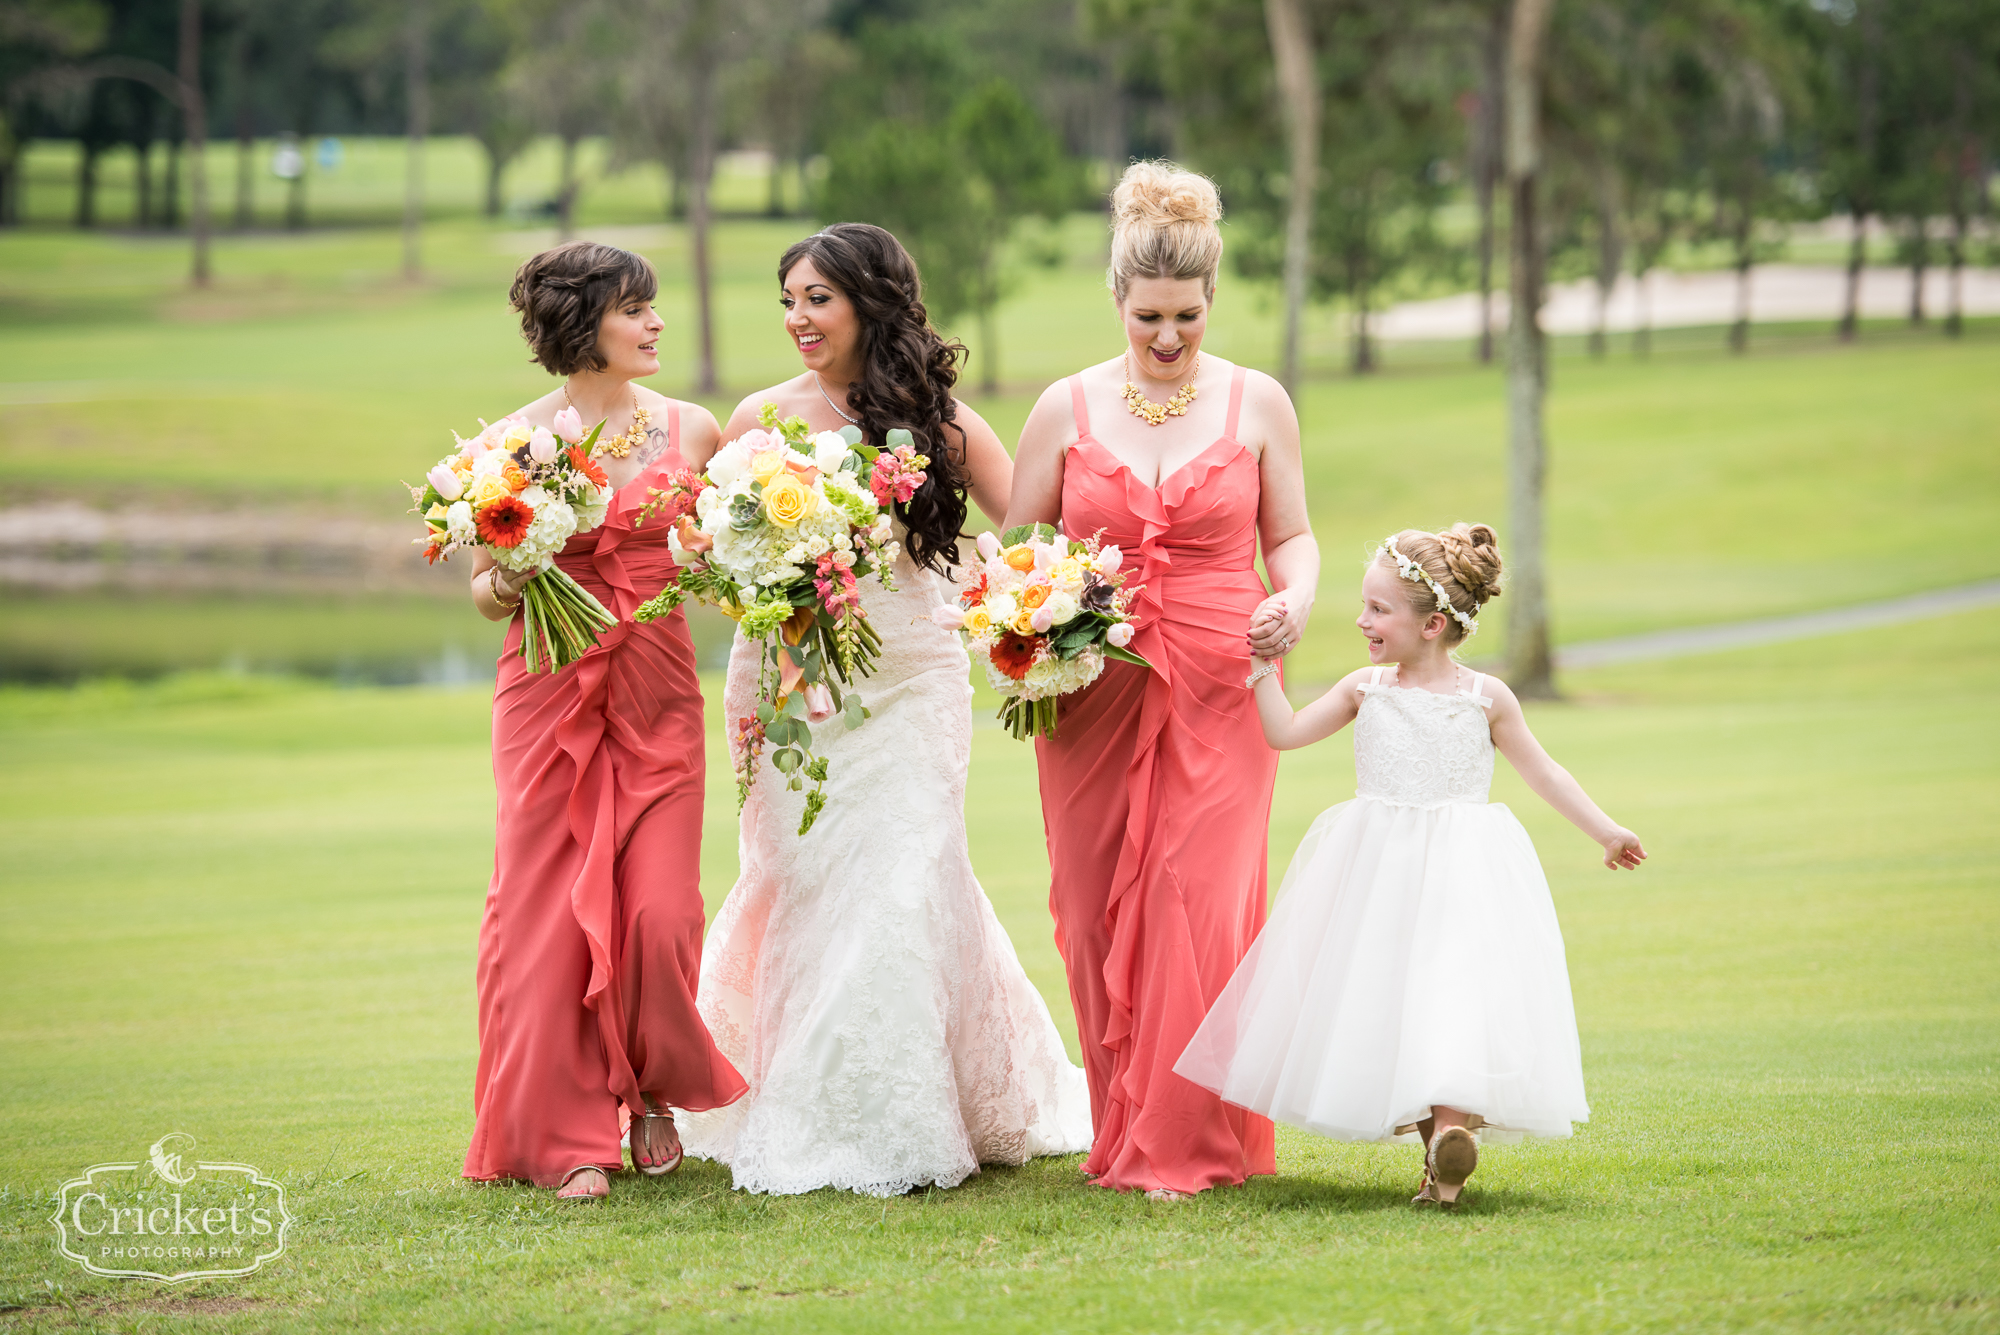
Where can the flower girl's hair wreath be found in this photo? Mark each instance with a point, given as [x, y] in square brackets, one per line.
[1455, 572]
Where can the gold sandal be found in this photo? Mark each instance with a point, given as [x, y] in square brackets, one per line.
[585, 1195]
[1453, 1154]
[642, 1132]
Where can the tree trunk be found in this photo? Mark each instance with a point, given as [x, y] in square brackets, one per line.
[246, 153]
[495, 171]
[142, 184]
[86, 186]
[417, 99]
[566, 190]
[295, 202]
[1739, 331]
[1530, 669]
[1642, 296]
[1298, 86]
[169, 211]
[1486, 164]
[1965, 164]
[774, 186]
[701, 170]
[1610, 252]
[194, 123]
[1862, 190]
[1920, 258]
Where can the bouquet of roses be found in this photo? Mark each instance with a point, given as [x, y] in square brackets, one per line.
[519, 492]
[1043, 612]
[776, 533]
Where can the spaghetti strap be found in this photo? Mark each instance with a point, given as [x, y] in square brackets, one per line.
[1235, 403]
[1077, 408]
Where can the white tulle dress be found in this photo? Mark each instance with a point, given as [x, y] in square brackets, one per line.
[1413, 957]
[857, 976]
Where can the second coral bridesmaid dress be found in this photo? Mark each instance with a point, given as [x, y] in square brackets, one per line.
[1156, 795]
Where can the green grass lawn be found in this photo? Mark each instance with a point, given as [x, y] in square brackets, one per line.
[246, 909]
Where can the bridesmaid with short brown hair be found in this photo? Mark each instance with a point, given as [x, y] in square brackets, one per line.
[1156, 788]
[591, 944]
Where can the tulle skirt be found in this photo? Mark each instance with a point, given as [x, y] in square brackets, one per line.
[1413, 959]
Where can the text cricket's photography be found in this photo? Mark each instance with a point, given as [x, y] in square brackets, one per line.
[1061, 666]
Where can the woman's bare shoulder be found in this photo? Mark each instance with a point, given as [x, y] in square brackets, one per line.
[542, 411]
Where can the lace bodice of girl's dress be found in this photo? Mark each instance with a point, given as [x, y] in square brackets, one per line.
[1419, 748]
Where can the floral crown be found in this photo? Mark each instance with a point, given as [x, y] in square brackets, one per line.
[1415, 573]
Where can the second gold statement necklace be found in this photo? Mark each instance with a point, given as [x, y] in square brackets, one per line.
[1155, 413]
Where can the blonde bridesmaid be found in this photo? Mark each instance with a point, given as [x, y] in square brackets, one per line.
[1156, 790]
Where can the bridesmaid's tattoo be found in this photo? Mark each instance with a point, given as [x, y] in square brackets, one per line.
[655, 445]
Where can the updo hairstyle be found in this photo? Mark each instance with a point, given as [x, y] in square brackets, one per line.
[562, 295]
[907, 374]
[1163, 225]
[1464, 560]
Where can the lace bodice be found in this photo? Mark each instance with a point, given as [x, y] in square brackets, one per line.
[1418, 748]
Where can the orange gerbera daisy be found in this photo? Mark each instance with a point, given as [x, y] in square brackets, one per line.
[587, 466]
[1014, 655]
[505, 522]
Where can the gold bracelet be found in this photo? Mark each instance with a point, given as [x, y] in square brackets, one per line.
[493, 589]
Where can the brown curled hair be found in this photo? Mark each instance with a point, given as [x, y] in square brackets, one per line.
[907, 373]
[1464, 560]
[562, 295]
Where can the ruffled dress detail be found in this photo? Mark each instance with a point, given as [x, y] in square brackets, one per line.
[1413, 959]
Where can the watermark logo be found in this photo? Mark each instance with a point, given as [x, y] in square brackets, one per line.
[171, 1218]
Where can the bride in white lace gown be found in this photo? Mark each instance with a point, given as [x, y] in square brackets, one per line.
[856, 975]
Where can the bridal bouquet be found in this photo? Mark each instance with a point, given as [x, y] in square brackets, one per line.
[1043, 612]
[518, 492]
[776, 533]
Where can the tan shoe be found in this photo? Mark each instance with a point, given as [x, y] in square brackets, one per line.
[656, 1145]
[1454, 1153]
[586, 1188]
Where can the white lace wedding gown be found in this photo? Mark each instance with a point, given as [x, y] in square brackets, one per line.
[857, 976]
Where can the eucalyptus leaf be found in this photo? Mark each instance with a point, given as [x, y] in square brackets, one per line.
[898, 437]
[795, 705]
[765, 713]
[787, 760]
[851, 434]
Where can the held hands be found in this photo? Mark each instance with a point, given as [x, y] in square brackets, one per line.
[1622, 850]
[1275, 627]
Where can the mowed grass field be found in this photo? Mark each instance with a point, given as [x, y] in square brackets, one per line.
[247, 910]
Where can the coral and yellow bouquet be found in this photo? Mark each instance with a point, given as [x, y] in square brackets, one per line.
[776, 533]
[519, 491]
[1043, 612]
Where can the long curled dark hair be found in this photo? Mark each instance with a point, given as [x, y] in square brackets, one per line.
[907, 374]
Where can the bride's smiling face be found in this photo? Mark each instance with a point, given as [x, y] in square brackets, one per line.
[1165, 319]
[823, 324]
[1396, 632]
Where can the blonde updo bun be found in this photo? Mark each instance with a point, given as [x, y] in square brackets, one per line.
[1464, 560]
[1164, 226]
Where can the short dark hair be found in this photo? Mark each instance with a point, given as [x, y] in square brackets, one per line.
[562, 295]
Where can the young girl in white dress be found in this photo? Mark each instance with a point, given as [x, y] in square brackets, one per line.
[1411, 978]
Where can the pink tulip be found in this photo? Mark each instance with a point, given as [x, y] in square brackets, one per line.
[542, 446]
[1044, 617]
[819, 703]
[989, 546]
[949, 615]
[1108, 561]
[569, 425]
[1119, 635]
[447, 482]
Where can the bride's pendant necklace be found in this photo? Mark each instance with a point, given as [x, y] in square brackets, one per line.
[621, 445]
[851, 421]
[1156, 413]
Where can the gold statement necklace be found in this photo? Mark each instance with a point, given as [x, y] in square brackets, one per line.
[1156, 413]
[618, 446]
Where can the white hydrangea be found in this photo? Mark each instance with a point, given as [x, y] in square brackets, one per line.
[1054, 676]
[458, 522]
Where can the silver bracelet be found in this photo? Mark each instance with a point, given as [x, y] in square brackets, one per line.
[1260, 673]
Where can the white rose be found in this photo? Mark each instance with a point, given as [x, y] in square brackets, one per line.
[489, 464]
[829, 451]
[1002, 607]
[458, 522]
[1062, 608]
[728, 464]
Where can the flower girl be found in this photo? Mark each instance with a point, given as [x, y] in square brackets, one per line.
[1411, 978]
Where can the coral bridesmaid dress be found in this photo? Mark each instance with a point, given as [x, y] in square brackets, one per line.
[1156, 794]
[591, 944]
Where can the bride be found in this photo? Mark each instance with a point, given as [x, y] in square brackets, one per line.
[856, 975]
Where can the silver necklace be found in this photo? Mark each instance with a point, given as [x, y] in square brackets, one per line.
[852, 421]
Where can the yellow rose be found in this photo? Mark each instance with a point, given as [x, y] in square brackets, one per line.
[978, 622]
[490, 488]
[787, 500]
[767, 464]
[517, 435]
[1066, 573]
[1023, 623]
